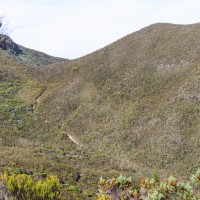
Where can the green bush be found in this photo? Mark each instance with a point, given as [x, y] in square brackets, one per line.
[74, 69]
[24, 187]
[73, 188]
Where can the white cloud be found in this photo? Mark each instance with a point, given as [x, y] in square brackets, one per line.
[73, 28]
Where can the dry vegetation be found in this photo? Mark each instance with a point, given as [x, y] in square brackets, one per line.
[134, 105]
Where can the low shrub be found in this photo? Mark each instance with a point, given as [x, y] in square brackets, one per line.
[74, 69]
[24, 187]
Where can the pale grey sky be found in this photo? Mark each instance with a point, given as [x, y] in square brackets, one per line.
[74, 28]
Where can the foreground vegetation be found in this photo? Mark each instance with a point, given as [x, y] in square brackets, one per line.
[24, 187]
[151, 188]
[42, 187]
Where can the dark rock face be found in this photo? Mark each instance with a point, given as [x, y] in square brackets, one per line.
[25, 55]
[77, 177]
[7, 44]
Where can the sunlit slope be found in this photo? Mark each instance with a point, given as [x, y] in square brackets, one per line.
[29, 144]
[136, 100]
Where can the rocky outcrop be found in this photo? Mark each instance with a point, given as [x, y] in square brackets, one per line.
[7, 44]
[25, 55]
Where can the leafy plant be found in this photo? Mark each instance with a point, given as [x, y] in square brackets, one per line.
[195, 178]
[124, 181]
[150, 189]
[73, 188]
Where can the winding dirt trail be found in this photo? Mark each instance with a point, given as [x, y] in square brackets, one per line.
[37, 100]
[40, 94]
[38, 97]
[74, 141]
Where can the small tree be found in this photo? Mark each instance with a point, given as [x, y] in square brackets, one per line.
[4, 25]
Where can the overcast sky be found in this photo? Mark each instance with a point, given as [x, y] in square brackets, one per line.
[74, 28]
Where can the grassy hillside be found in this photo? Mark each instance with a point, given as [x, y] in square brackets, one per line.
[136, 100]
[134, 106]
[28, 144]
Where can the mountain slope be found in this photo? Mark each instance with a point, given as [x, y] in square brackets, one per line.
[136, 99]
[134, 106]
[28, 144]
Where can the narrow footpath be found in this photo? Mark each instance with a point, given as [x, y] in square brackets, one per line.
[74, 141]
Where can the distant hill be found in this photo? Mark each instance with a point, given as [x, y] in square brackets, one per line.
[133, 106]
[28, 56]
